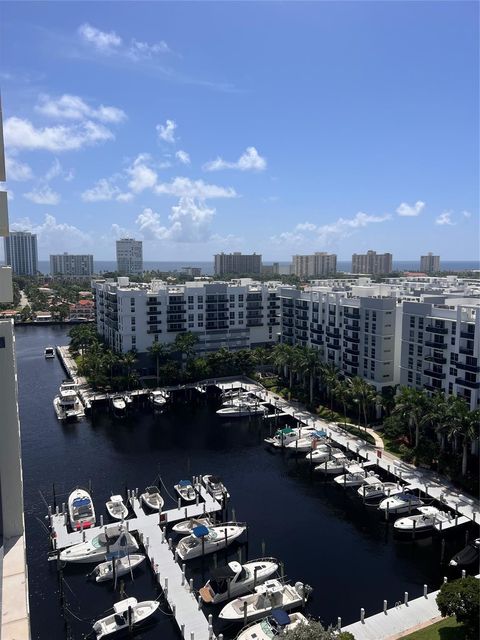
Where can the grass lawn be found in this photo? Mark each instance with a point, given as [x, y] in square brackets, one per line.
[447, 629]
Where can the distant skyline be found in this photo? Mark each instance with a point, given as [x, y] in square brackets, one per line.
[278, 127]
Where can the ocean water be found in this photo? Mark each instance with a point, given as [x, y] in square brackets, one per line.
[325, 535]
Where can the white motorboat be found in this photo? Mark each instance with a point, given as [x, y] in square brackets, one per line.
[126, 614]
[205, 540]
[214, 485]
[308, 442]
[283, 437]
[425, 521]
[322, 453]
[128, 400]
[49, 353]
[241, 398]
[185, 527]
[185, 490]
[355, 476]
[468, 555]
[241, 409]
[116, 508]
[401, 502]
[68, 385]
[338, 463]
[273, 594]
[118, 404]
[152, 499]
[373, 489]
[106, 570]
[115, 539]
[235, 579]
[275, 625]
[158, 399]
[233, 393]
[81, 510]
[67, 405]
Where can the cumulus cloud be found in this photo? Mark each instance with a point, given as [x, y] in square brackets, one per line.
[70, 107]
[103, 41]
[102, 190]
[43, 195]
[142, 176]
[186, 188]
[22, 134]
[143, 50]
[166, 131]
[111, 44]
[52, 234]
[183, 157]
[16, 170]
[189, 221]
[250, 160]
[466, 214]
[408, 210]
[445, 218]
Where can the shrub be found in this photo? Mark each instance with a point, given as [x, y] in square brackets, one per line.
[461, 598]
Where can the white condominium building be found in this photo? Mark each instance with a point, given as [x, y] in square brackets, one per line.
[21, 252]
[355, 334]
[233, 315]
[317, 264]
[129, 257]
[71, 265]
[237, 263]
[429, 263]
[372, 262]
[440, 349]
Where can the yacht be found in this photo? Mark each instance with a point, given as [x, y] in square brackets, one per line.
[338, 463]
[116, 508]
[49, 353]
[308, 442]
[214, 485]
[126, 614]
[373, 489]
[205, 540]
[242, 409]
[235, 579]
[275, 625]
[119, 405]
[401, 502]
[67, 404]
[152, 499]
[283, 437]
[322, 453]
[185, 490]
[126, 564]
[185, 527]
[418, 523]
[355, 476]
[115, 539]
[468, 555]
[81, 510]
[272, 594]
[158, 400]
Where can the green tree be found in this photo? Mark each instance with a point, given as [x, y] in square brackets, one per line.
[342, 393]
[329, 375]
[463, 425]
[309, 365]
[411, 406]
[315, 631]
[461, 598]
[159, 351]
[184, 344]
[364, 395]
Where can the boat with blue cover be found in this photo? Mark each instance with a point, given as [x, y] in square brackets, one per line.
[308, 442]
[81, 510]
[185, 490]
[205, 540]
[273, 626]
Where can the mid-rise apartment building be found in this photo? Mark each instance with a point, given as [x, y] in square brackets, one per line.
[440, 348]
[21, 252]
[372, 262]
[234, 315]
[429, 263]
[317, 264]
[355, 334]
[71, 265]
[237, 264]
[129, 257]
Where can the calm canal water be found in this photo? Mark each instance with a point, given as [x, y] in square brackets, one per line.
[324, 535]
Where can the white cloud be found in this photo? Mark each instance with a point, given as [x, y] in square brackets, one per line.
[102, 191]
[466, 214]
[54, 171]
[124, 197]
[405, 209]
[167, 131]
[142, 50]
[183, 157]
[17, 170]
[189, 221]
[250, 160]
[106, 42]
[52, 234]
[186, 188]
[70, 107]
[43, 195]
[142, 176]
[445, 218]
[22, 134]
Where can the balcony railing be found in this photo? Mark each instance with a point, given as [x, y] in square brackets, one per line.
[468, 335]
[466, 351]
[352, 327]
[436, 345]
[471, 384]
[353, 316]
[436, 359]
[434, 374]
[467, 367]
[442, 331]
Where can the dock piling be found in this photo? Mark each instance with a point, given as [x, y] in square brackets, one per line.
[362, 615]
[464, 573]
[425, 590]
[101, 520]
[385, 607]
[191, 585]
[405, 598]
[339, 623]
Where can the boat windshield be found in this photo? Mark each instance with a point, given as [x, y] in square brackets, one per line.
[269, 627]
[99, 541]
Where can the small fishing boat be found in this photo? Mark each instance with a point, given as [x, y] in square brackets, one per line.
[49, 353]
[355, 476]
[185, 527]
[116, 567]
[126, 614]
[185, 490]
[152, 499]
[401, 502]
[158, 399]
[373, 489]
[214, 485]
[425, 521]
[116, 508]
[241, 409]
[468, 555]
[235, 579]
[308, 442]
[115, 539]
[275, 625]
[338, 463]
[118, 405]
[205, 540]
[273, 594]
[81, 510]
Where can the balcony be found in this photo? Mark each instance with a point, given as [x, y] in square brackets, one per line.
[287, 322]
[333, 346]
[351, 315]
[441, 331]
[175, 309]
[154, 330]
[436, 359]
[254, 323]
[352, 327]
[431, 387]
[468, 383]
[353, 352]
[436, 345]
[154, 302]
[351, 363]
[438, 375]
[332, 334]
[314, 330]
[467, 351]
[351, 339]
[468, 335]
[467, 367]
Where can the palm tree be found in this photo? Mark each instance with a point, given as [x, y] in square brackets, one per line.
[129, 360]
[342, 392]
[364, 395]
[329, 374]
[281, 357]
[463, 425]
[411, 405]
[309, 365]
[159, 351]
[185, 344]
[436, 415]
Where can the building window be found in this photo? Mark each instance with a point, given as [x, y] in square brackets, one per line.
[410, 349]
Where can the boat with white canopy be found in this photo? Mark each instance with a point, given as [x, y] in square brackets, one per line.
[185, 527]
[322, 453]
[152, 499]
[338, 463]
[402, 502]
[355, 476]
[158, 399]
[425, 521]
[114, 539]
[308, 442]
[235, 579]
[205, 540]
[81, 510]
[241, 409]
[287, 435]
[373, 489]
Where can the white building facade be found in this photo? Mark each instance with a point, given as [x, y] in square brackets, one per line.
[129, 257]
[21, 252]
[429, 263]
[316, 264]
[71, 265]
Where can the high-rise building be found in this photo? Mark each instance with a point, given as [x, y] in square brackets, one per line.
[429, 263]
[71, 265]
[129, 257]
[21, 252]
[372, 262]
[238, 264]
[318, 264]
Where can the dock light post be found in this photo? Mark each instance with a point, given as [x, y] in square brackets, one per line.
[362, 615]
[385, 605]
[425, 590]
[170, 543]
[199, 602]
[197, 499]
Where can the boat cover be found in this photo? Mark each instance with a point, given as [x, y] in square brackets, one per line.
[81, 502]
[371, 480]
[319, 434]
[152, 490]
[284, 431]
[215, 480]
[200, 531]
[280, 616]
[468, 555]
[355, 468]
[222, 573]
[184, 483]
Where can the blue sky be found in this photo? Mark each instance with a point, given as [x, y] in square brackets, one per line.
[273, 127]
